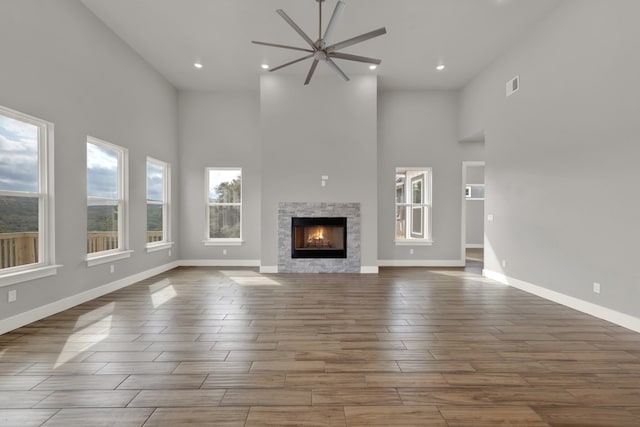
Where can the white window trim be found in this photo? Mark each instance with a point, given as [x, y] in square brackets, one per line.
[428, 206]
[166, 242]
[224, 242]
[413, 242]
[46, 265]
[123, 251]
[104, 257]
[208, 241]
[159, 246]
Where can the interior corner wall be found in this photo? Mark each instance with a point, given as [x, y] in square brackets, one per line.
[327, 128]
[219, 129]
[61, 64]
[418, 129]
[562, 154]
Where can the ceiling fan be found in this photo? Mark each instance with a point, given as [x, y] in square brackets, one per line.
[320, 50]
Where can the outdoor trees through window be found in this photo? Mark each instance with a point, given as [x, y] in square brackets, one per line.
[224, 203]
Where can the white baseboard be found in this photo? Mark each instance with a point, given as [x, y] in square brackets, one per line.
[613, 316]
[369, 269]
[269, 269]
[22, 319]
[474, 246]
[421, 263]
[220, 263]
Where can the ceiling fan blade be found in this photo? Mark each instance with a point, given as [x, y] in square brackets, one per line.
[350, 57]
[295, 27]
[314, 64]
[337, 69]
[281, 45]
[292, 62]
[337, 11]
[357, 39]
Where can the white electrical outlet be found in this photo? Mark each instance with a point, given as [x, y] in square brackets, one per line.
[411, 251]
[112, 268]
[596, 287]
[504, 263]
[490, 217]
[224, 252]
[12, 295]
[169, 253]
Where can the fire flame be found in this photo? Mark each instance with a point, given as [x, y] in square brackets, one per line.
[318, 235]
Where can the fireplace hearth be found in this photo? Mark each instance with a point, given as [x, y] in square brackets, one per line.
[318, 237]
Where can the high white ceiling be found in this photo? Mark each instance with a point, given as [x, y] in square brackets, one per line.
[465, 35]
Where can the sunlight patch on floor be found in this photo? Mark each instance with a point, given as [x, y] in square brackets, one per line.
[466, 276]
[250, 278]
[97, 314]
[89, 335]
[162, 292]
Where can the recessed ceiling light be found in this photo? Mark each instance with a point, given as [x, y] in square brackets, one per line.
[440, 67]
[197, 65]
[373, 67]
[265, 66]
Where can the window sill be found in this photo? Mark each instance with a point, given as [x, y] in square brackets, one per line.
[413, 242]
[26, 275]
[223, 242]
[154, 247]
[105, 258]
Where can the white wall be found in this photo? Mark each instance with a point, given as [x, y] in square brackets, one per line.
[61, 64]
[326, 128]
[219, 129]
[418, 129]
[562, 153]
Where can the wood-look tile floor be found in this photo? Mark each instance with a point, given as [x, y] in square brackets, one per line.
[410, 347]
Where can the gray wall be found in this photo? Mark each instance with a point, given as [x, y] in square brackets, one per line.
[61, 64]
[326, 128]
[561, 154]
[219, 129]
[418, 129]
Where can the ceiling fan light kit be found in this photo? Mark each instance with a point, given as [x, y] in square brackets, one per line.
[320, 50]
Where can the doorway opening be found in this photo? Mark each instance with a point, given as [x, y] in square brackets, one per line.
[473, 186]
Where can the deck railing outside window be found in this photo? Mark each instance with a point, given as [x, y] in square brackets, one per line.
[22, 248]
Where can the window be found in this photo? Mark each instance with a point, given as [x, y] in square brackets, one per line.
[224, 205]
[413, 206]
[158, 236]
[107, 237]
[26, 198]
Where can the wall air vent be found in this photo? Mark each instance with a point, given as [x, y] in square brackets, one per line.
[513, 85]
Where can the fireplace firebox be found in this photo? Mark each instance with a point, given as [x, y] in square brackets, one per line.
[318, 237]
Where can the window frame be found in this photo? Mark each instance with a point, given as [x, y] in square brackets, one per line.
[217, 241]
[122, 251]
[426, 205]
[46, 265]
[166, 242]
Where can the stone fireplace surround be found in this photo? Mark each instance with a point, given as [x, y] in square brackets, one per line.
[288, 210]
